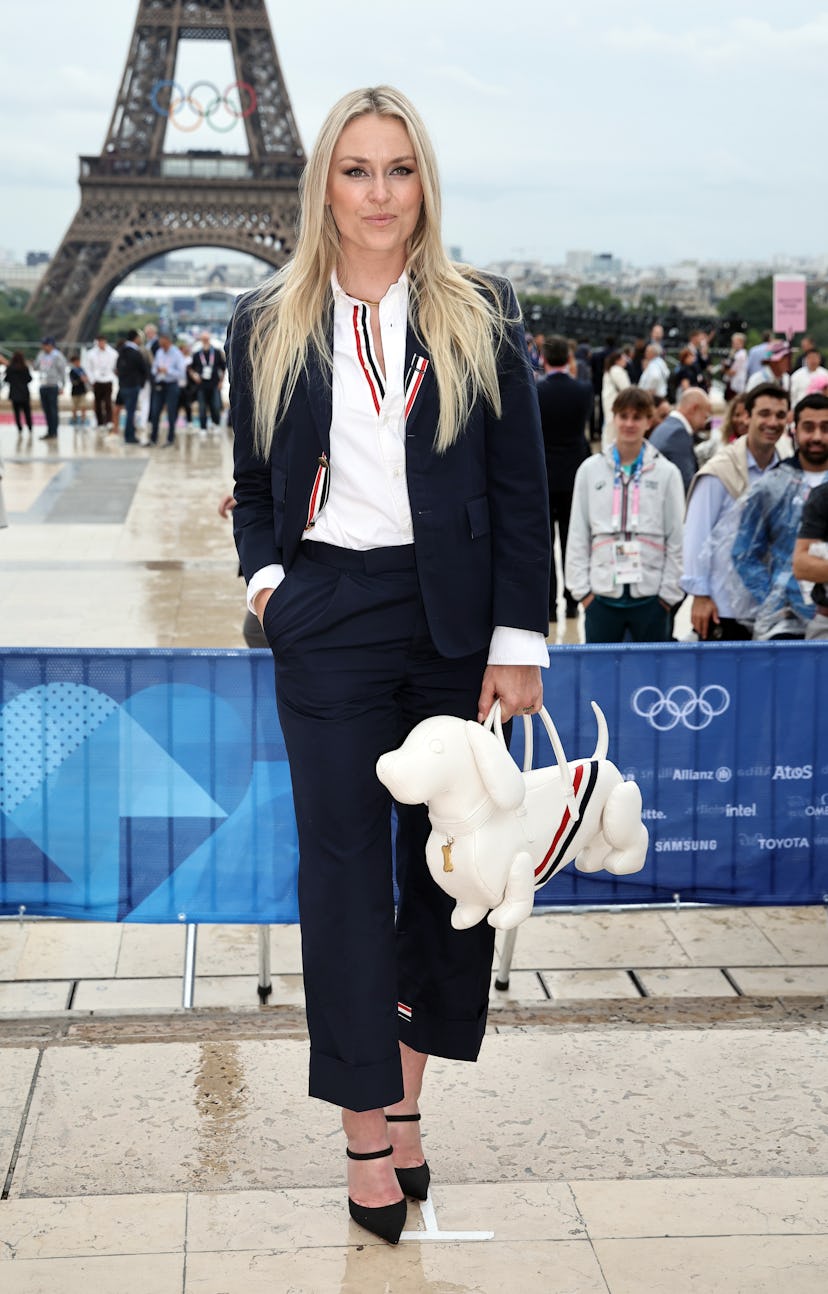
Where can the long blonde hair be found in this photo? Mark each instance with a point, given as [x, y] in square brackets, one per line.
[457, 312]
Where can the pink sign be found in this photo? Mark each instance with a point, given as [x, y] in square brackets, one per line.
[790, 304]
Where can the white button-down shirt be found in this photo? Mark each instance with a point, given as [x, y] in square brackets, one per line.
[100, 363]
[367, 505]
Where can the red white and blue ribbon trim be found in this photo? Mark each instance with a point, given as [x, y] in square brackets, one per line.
[556, 853]
[320, 491]
[414, 381]
[366, 356]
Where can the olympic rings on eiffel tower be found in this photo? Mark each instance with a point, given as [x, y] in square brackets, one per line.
[179, 100]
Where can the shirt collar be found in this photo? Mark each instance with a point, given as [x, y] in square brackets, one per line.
[752, 463]
[678, 414]
[400, 287]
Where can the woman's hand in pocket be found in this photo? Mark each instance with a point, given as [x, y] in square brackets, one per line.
[260, 601]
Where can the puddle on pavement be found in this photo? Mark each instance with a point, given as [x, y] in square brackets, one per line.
[221, 1095]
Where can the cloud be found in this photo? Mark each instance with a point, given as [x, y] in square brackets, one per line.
[735, 40]
[456, 75]
[642, 129]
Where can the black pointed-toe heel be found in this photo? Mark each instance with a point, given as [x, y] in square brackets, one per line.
[386, 1221]
[414, 1181]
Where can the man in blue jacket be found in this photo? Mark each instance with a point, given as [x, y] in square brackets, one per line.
[763, 548]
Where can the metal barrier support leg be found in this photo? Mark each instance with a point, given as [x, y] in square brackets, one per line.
[502, 980]
[265, 982]
[188, 985]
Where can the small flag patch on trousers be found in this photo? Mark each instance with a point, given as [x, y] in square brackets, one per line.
[404, 1011]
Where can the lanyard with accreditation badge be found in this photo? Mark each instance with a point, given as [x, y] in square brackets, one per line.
[626, 552]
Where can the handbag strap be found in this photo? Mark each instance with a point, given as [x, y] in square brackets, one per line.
[493, 722]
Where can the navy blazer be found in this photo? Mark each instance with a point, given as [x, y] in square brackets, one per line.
[479, 511]
[671, 439]
[565, 409]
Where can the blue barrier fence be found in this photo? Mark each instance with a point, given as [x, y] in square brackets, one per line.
[153, 785]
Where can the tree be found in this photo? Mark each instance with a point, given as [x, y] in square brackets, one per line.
[591, 294]
[16, 328]
[114, 326]
[548, 301]
[752, 304]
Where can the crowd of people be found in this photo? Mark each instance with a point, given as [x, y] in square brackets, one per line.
[145, 376]
[671, 506]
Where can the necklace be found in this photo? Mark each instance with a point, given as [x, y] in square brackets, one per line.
[365, 300]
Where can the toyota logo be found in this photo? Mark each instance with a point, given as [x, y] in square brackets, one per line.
[681, 704]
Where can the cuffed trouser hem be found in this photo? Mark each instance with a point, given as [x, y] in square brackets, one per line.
[356, 1087]
[451, 1039]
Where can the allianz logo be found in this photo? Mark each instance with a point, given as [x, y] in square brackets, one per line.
[722, 774]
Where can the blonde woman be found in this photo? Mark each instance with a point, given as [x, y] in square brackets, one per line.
[616, 379]
[392, 523]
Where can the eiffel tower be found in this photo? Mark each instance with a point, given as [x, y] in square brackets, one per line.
[138, 202]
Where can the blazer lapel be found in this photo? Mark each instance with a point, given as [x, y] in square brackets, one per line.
[320, 396]
[420, 384]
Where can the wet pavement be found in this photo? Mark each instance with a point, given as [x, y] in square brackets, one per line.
[648, 1113]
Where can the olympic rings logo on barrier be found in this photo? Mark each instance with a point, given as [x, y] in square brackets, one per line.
[178, 100]
[681, 704]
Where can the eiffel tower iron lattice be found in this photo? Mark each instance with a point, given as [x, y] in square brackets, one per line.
[138, 202]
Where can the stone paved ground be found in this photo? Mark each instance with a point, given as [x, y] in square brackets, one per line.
[648, 1113]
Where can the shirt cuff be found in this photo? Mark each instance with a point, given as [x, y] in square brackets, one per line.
[696, 585]
[511, 646]
[269, 577]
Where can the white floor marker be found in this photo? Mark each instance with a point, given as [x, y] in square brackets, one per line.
[433, 1232]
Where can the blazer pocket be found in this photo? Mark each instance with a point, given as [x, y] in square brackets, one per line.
[478, 513]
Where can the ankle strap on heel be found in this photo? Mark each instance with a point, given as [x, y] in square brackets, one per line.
[371, 1154]
[402, 1118]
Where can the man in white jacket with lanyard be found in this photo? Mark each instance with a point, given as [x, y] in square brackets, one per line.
[623, 553]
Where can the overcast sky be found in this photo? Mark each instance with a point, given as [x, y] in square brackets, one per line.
[653, 131]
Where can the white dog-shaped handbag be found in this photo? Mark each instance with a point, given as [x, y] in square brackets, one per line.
[499, 833]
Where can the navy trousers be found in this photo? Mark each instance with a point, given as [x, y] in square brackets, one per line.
[646, 622]
[356, 670]
[209, 398]
[129, 399]
[49, 405]
[164, 396]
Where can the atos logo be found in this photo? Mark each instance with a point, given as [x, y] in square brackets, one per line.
[793, 773]
[681, 705]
